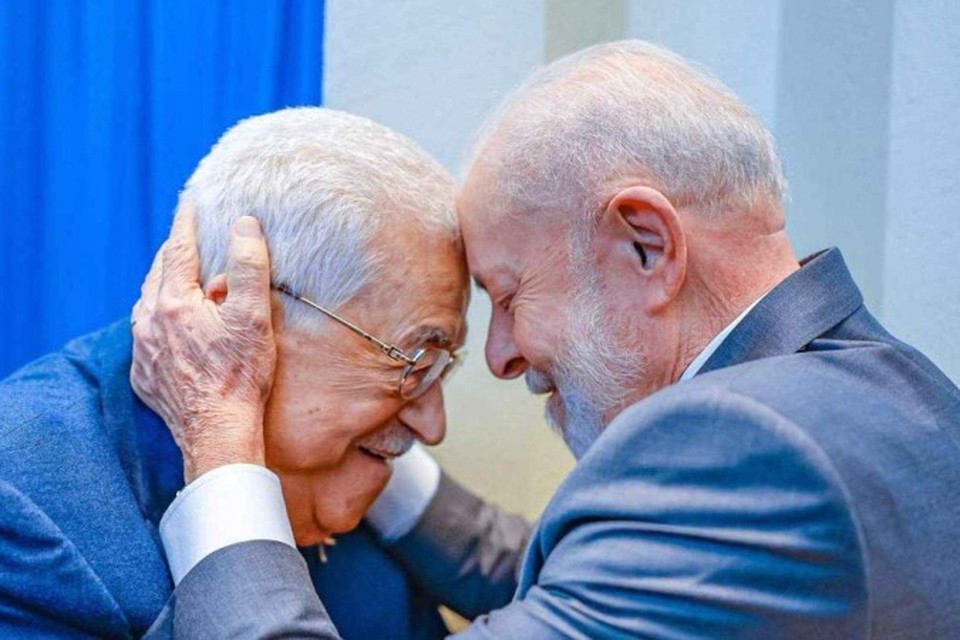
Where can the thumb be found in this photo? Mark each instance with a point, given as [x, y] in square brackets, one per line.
[248, 272]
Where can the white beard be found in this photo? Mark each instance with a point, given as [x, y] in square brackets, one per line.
[593, 374]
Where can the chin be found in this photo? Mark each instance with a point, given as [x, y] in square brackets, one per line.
[312, 533]
[344, 522]
[339, 509]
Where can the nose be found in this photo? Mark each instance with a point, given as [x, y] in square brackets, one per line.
[426, 417]
[503, 356]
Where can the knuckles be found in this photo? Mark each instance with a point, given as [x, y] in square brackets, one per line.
[140, 332]
[169, 308]
[176, 248]
[259, 323]
[251, 258]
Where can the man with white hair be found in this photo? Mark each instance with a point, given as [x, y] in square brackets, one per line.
[87, 470]
[757, 456]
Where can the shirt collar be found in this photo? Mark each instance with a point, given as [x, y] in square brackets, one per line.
[698, 362]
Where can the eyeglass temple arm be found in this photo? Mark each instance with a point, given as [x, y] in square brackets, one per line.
[391, 350]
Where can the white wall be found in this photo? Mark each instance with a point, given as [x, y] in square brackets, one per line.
[737, 40]
[921, 276]
[862, 97]
[428, 68]
[832, 125]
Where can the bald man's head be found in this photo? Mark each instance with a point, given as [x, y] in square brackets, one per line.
[627, 111]
[621, 209]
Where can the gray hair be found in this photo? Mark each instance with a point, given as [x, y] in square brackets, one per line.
[625, 110]
[323, 184]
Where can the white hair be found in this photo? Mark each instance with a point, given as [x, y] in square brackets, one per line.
[326, 187]
[629, 109]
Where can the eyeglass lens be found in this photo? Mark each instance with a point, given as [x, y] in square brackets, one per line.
[432, 365]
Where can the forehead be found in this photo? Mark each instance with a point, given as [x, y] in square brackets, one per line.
[497, 243]
[425, 285]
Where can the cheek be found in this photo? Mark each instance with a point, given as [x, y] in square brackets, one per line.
[314, 431]
[296, 440]
[538, 334]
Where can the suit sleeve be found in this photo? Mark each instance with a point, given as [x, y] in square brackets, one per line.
[257, 589]
[465, 552]
[704, 517]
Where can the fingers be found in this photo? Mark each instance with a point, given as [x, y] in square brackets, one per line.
[150, 288]
[248, 272]
[181, 262]
[215, 288]
[138, 374]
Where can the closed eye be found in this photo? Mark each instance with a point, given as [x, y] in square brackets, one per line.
[428, 337]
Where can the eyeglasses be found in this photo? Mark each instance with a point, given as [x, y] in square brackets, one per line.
[421, 370]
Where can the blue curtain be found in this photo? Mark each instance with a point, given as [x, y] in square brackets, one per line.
[105, 108]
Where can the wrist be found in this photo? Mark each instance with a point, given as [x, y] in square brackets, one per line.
[235, 438]
[196, 466]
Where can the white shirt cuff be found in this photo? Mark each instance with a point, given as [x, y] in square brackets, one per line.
[415, 479]
[231, 504]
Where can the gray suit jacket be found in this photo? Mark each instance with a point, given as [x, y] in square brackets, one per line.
[802, 485]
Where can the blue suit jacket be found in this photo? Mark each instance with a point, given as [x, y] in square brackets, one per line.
[86, 472]
[803, 485]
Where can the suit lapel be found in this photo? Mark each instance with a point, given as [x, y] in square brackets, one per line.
[810, 302]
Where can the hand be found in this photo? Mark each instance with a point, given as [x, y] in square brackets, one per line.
[205, 366]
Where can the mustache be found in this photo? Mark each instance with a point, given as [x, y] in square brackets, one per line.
[395, 440]
[538, 382]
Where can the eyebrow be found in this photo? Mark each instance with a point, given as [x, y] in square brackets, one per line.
[504, 277]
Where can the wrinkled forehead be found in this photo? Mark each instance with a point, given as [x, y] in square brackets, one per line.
[501, 243]
[480, 211]
[424, 283]
[494, 256]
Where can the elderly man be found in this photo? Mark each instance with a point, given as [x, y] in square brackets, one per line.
[757, 456]
[86, 470]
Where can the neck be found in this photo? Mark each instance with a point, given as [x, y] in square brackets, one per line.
[718, 291]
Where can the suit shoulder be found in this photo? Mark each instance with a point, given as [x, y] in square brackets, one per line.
[712, 490]
[839, 378]
[44, 387]
[50, 389]
[877, 391]
[718, 420]
[53, 445]
[706, 437]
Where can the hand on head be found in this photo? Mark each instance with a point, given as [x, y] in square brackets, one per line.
[206, 367]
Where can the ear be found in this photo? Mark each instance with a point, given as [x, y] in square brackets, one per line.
[216, 288]
[643, 234]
